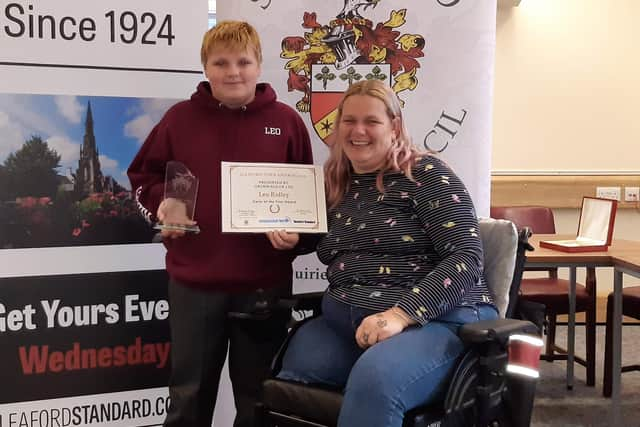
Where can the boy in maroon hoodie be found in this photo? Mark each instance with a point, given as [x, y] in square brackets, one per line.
[212, 273]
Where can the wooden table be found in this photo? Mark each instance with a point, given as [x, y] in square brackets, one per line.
[624, 257]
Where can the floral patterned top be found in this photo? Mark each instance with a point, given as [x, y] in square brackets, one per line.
[415, 247]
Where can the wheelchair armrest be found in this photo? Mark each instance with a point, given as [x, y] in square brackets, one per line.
[494, 330]
[308, 301]
[264, 307]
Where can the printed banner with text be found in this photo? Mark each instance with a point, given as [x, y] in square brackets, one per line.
[83, 305]
[78, 335]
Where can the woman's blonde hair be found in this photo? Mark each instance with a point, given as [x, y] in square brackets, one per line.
[235, 35]
[402, 154]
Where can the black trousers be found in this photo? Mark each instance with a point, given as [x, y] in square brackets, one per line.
[201, 333]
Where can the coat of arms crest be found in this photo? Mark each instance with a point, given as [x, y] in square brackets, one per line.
[328, 58]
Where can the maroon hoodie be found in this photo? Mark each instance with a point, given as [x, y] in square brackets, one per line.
[201, 133]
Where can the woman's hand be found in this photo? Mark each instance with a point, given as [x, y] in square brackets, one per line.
[282, 240]
[380, 326]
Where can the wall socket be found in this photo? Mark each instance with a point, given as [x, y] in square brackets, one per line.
[631, 194]
[608, 192]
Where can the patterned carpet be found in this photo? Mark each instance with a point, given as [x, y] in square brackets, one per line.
[555, 406]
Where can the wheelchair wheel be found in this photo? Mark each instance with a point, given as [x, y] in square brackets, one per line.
[462, 406]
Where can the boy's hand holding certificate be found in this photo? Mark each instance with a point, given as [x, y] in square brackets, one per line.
[258, 197]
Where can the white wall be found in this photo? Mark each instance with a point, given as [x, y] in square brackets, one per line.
[567, 86]
[567, 96]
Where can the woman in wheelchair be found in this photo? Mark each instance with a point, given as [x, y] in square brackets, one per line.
[404, 267]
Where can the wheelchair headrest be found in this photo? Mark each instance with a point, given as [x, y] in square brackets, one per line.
[500, 246]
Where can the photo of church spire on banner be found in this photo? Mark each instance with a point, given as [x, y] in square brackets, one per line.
[63, 162]
[437, 55]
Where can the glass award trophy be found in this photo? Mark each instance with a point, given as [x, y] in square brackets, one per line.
[179, 203]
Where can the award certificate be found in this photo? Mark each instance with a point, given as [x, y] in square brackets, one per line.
[259, 197]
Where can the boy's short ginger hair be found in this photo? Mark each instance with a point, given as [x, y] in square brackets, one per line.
[234, 35]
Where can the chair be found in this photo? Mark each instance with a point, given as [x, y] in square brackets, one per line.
[553, 292]
[480, 392]
[631, 308]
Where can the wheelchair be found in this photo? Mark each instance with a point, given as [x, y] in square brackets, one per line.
[483, 390]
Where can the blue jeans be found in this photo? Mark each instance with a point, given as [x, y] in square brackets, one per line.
[390, 377]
